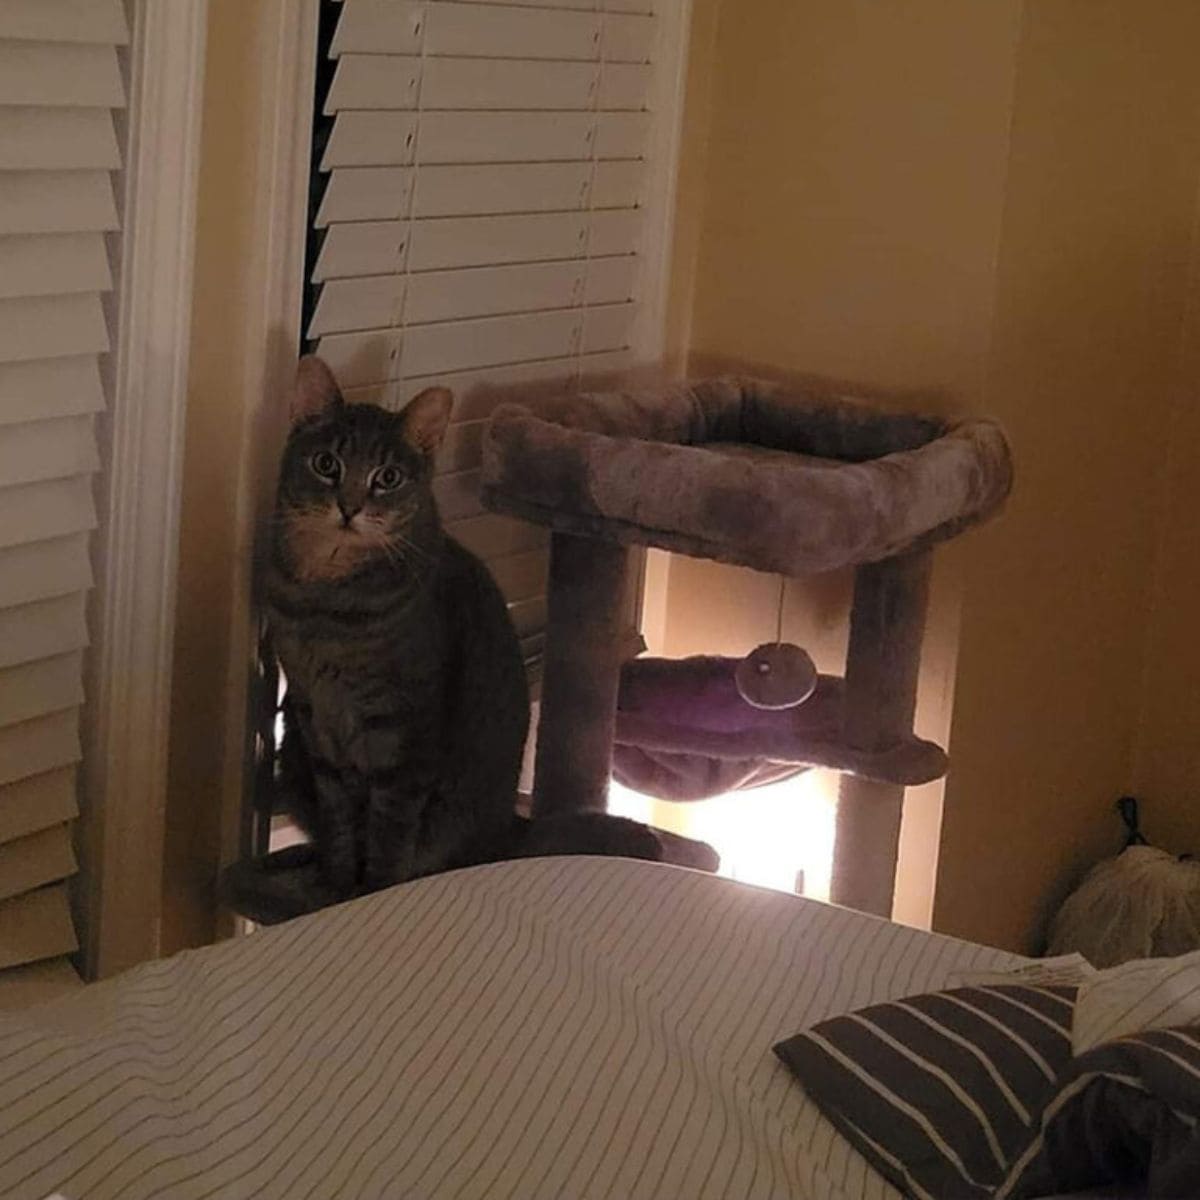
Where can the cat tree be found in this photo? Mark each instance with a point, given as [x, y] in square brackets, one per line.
[763, 476]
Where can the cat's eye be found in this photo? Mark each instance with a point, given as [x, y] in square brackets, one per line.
[387, 479]
[326, 466]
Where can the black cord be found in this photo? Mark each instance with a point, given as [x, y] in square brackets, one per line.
[1127, 806]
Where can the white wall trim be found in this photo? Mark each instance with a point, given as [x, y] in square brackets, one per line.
[286, 51]
[134, 612]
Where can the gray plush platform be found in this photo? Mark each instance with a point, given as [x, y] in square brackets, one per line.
[744, 472]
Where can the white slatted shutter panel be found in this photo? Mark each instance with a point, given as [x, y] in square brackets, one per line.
[59, 84]
[479, 220]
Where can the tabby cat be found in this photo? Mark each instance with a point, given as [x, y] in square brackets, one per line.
[406, 707]
[406, 710]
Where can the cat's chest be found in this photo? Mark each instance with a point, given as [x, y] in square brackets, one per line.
[341, 694]
[331, 661]
[318, 664]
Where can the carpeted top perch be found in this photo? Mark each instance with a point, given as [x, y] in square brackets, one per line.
[763, 475]
[745, 472]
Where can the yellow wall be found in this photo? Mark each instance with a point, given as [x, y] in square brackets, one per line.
[1090, 283]
[987, 206]
[1168, 761]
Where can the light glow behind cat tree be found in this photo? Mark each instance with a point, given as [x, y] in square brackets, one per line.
[765, 836]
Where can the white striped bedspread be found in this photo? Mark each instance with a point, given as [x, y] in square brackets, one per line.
[567, 1028]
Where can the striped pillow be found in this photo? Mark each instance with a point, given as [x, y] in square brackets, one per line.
[938, 1092]
[1127, 1112]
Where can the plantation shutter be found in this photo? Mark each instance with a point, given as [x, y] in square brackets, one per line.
[59, 83]
[479, 175]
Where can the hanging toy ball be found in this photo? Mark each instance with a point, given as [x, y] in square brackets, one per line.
[776, 675]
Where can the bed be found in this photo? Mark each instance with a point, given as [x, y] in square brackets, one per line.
[569, 1028]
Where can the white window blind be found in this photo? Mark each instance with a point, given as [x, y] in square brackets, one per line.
[59, 84]
[480, 175]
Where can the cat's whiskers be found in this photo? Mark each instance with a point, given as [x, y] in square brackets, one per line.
[400, 544]
[396, 559]
[404, 554]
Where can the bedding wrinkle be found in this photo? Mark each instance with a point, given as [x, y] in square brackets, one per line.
[284, 1041]
[389, 1070]
[668, 1022]
[745, 1044]
[345, 1101]
[177, 1081]
[522, 1037]
[735, 1067]
[623, 1105]
[676, 1029]
[605, 1066]
[596, 1052]
[546, 1029]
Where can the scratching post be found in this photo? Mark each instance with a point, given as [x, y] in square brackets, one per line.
[883, 660]
[580, 675]
[783, 480]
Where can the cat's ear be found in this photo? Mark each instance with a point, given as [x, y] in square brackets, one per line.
[426, 417]
[315, 388]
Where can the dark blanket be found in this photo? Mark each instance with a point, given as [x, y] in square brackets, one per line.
[1127, 1112]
